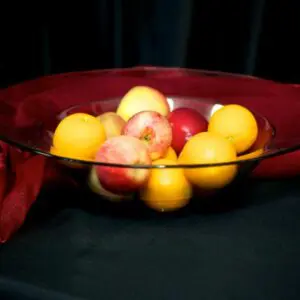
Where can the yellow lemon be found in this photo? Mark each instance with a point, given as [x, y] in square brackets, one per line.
[170, 154]
[237, 124]
[166, 189]
[209, 148]
[78, 136]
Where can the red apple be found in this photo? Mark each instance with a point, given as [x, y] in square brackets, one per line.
[153, 129]
[96, 187]
[185, 123]
[123, 150]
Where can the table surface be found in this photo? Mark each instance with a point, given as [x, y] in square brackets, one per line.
[69, 250]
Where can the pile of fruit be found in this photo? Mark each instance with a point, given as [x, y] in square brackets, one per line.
[143, 131]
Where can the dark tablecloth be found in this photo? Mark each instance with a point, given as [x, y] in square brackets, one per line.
[69, 249]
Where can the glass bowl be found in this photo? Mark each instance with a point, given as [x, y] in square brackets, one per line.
[37, 138]
[28, 118]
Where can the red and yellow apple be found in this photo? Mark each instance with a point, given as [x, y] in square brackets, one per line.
[185, 123]
[113, 124]
[153, 129]
[141, 98]
[96, 187]
[124, 150]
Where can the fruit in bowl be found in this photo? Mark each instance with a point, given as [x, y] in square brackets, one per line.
[163, 154]
[96, 187]
[185, 123]
[151, 128]
[113, 124]
[209, 148]
[170, 154]
[142, 98]
[166, 189]
[122, 150]
[78, 136]
[237, 124]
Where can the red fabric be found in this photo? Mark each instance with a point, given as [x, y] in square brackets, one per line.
[23, 174]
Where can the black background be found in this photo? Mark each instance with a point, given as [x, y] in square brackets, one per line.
[251, 36]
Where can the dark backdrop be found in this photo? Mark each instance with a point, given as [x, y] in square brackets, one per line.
[249, 36]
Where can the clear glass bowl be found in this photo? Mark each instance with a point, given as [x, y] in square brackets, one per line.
[36, 137]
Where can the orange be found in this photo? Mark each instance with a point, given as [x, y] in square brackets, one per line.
[251, 155]
[237, 124]
[170, 154]
[78, 136]
[73, 165]
[166, 189]
[209, 148]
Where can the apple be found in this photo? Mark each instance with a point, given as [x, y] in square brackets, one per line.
[185, 123]
[96, 187]
[153, 129]
[123, 150]
[141, 98]
[113, 124]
